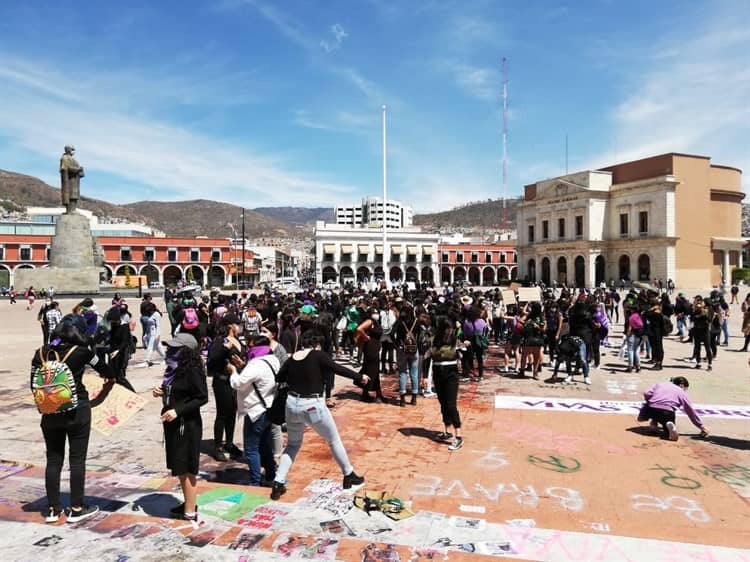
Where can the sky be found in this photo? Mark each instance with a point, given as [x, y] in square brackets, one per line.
[279, 102]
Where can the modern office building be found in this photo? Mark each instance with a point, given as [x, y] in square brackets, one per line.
[673, 216]
[370, 214]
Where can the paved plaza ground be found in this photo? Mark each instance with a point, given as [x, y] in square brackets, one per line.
[547, 472]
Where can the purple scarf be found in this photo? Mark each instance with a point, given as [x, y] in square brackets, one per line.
[258, 351]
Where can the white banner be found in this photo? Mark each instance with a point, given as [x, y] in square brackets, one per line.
[541, 404]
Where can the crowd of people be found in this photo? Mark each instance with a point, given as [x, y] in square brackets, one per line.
[272, 359]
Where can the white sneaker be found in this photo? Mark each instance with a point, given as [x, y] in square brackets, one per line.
[566, 380]
[429, 394]
[673, 435]
[586, 380]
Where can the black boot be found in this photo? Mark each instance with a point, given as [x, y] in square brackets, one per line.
[402, 401]
[413, 400]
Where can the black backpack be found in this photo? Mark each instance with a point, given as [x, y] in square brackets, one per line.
[410, 341]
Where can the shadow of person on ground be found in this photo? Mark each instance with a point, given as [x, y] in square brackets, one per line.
[421, 432]
[729, 442]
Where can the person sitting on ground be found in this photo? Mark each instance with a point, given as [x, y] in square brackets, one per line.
[662, 400]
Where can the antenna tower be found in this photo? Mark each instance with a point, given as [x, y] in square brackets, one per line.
[505, 143]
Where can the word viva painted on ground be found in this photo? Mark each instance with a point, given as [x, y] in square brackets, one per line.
[608, 407]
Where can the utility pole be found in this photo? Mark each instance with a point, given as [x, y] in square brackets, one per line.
[505, 143]
[243, 244]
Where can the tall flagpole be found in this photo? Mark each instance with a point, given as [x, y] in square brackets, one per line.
[385, 207]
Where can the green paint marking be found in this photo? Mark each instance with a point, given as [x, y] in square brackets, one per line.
[565, 465]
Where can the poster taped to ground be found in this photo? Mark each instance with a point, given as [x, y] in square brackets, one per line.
[529, 294]
[112, 405]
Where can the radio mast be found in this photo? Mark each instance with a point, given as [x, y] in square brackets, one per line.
[505, 143]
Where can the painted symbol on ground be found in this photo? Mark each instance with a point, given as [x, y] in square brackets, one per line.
[565, 465]
[735, 475]
[690, 508]
[228, 503]
[674, 481]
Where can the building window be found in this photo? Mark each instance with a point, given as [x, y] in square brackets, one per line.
[446, 257]
[545, 230]
[125, 254]
[395, 257]
[148, 254]
[623, 224]
[459, 257]
[172, 254]
[488, 257]
[579, 226]
[474, 257]
[46, 253]
[195, 254]
[215, 254]
[2, 253]
[362, 257]
[643, 223]
[561, 228]
[515, 257]
[502, 257]
[25, 253]
[327, 256]
[427, 258]
[531, 234]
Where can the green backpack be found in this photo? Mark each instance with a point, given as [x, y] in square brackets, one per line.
[53, 384]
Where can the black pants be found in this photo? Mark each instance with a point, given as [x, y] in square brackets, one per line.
[75, 426]
[386, 355]
[713, 342]
[657, 348]
[226, 412]
[552, 344]
[445, 379]
[698, 340]
[658, 415]
[595, 341]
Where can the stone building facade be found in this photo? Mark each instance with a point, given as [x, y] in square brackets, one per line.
[673, 216]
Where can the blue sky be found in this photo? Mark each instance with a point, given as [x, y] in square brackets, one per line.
[262, 102]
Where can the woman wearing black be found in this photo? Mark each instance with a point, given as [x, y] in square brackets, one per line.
[225, 348]
[72, 345]
[183, 391]
[445, 377]
[304, 372]
[369, 333]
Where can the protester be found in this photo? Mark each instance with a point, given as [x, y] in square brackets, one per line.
[71, 345]
[226, 354]
[662, 400]
[183, 392]
[445, 359]
[255, 385]
[305, 407]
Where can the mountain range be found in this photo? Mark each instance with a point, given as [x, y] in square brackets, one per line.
[203, 217]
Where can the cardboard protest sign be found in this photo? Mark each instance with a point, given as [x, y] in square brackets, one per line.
[111, 404]
[529, 294]
[509, 297]
[515, 286]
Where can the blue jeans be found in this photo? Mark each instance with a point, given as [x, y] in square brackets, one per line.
[634, 345]
[312, 412]
[725, 331]
[256, 438]
[584, 358]
[681, 325]
[408, 364]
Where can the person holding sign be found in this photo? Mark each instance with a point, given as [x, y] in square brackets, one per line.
[70, 345]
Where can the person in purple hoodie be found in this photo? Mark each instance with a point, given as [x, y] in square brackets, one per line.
[662, 400]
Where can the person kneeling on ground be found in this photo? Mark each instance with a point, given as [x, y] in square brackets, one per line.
[662, 400]
[183, 392]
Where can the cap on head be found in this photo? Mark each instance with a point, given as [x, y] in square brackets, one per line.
[183, 339]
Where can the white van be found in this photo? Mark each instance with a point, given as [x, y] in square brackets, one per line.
[287, 284]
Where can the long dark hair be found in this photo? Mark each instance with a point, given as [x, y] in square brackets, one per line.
[189, 359]
[445, 332]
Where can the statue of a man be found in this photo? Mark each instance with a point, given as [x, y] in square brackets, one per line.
[70, 179]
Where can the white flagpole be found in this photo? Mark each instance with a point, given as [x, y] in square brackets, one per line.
[386, 274]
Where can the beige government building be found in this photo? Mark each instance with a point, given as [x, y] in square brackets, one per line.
[673, 216]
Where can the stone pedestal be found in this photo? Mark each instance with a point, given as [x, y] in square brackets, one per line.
[73, 264]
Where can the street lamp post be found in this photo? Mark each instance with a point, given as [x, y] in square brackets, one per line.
[234, 251]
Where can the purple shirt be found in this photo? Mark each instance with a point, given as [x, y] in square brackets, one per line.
[478, 325]
[669, 396]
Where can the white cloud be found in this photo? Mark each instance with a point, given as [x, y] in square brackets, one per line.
[178, 163]
[478, 82]
[339, 34]
[693, 96]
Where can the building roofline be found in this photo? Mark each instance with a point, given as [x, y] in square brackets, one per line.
[726, 167]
